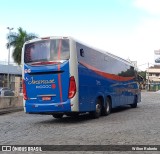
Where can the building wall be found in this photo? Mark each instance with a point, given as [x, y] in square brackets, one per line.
[3, 80]
[17, 85]
[13, 70]
[8, 102]
[153, 74]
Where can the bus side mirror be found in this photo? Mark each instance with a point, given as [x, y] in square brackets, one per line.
[81, 52]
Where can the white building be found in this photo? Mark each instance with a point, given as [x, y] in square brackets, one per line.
[153, 74]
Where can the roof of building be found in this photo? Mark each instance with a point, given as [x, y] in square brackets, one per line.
[154, 69]
[11, 69]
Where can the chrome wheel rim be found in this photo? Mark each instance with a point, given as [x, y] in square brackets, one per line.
[107, 108]
[98, 108]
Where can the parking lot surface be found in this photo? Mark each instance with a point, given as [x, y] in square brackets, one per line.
[124, 126]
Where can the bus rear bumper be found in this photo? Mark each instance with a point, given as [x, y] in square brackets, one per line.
[47, 108]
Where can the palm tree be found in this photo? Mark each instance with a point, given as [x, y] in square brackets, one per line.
[16, 41]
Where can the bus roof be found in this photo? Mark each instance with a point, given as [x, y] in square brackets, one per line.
[106, 53]
[71, 38]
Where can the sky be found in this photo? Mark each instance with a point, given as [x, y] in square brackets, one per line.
[129, 29]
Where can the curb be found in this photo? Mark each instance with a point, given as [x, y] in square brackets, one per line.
[10, 110]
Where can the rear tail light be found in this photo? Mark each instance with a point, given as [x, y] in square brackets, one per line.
[24, 90]
[72, 87]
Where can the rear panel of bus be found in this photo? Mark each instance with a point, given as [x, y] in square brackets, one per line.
[49, 78]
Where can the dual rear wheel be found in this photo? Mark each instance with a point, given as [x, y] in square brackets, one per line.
[101, 109]
[106, 110]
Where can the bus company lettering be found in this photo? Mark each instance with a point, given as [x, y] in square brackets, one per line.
[32, 81]
[43, 86]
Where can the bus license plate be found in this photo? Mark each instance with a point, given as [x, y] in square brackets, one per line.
[46, 98]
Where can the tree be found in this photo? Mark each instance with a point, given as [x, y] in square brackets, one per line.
[143, 74]
[16, 41]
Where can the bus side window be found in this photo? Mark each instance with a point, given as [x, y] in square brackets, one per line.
[81, 52]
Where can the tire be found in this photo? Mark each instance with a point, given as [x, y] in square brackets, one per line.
[58, 116]
[97, 113]
[106, 110]
[134, 105]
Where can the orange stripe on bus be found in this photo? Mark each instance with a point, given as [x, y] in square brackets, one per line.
[59, 75]
[107, 75]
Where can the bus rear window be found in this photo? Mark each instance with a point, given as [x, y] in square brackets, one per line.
[47, 50]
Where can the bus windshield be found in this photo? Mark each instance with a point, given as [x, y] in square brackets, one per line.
[47, 50]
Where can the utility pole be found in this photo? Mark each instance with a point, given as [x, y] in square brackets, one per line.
[8, 81]
[148, 78]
